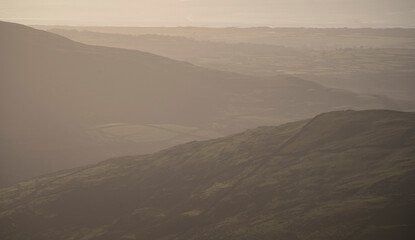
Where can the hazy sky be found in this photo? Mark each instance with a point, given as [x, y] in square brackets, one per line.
[351, 13]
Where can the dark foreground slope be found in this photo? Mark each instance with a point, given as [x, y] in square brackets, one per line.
[64, 104]
[341, 175]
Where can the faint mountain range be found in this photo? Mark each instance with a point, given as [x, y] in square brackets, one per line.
[303, 38]
[341, 175]
[366, 61]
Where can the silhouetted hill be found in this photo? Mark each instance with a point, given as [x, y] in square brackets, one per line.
[65, 104]
[341, 175]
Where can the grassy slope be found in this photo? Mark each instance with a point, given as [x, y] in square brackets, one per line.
[341, 175]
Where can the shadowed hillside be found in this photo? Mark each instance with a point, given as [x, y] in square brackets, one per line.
[65, 104]
[341, 175]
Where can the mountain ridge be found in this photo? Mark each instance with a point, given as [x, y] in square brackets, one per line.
[343, 175]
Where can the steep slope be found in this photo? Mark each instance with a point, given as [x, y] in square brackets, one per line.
[65, 104]
[341, 175]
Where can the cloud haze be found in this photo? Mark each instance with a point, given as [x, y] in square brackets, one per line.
[352, 13]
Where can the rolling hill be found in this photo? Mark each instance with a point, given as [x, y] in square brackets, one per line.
[340, 175]
[66, 104]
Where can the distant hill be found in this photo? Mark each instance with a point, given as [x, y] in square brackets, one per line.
[65, 104]
[368, 69]
[310, 38]
[341, 175]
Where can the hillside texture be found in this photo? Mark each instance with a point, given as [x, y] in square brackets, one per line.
[341, 175]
